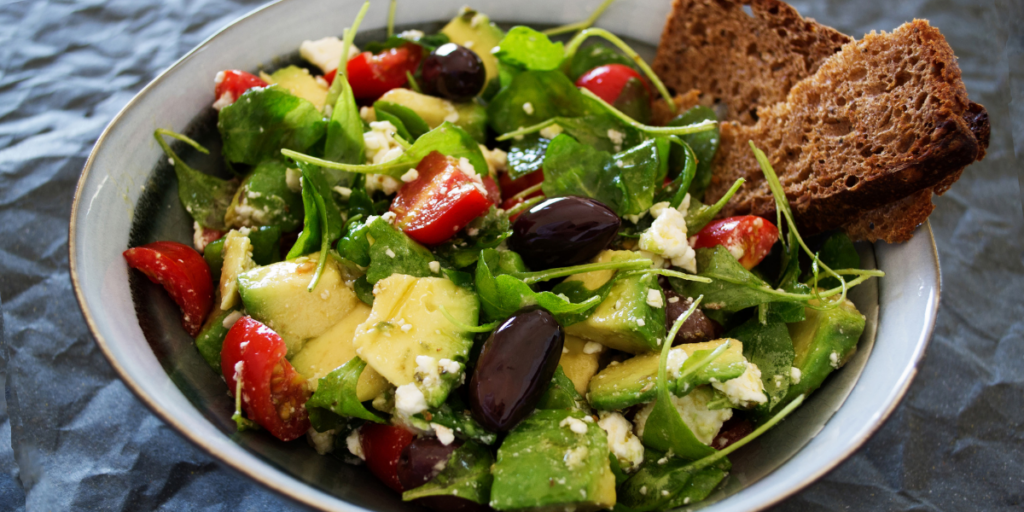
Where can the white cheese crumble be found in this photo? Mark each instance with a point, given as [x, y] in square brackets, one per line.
[746, 390]
[435, 266]
[528, 108]
[367, 114]
[389, 216]
[575, 457]
[667, 236]
[409, 400]
[621, 441]
[225, 99]
[344, 192]
[497, 160]
[380, 143]
[449, 366]
[592, 348]
[234, 316]
[355, 444]
[550, 132]
[322, 442]
[325, 53]
[411, 34]
[427, 373]
[676, 358]
[833, 360]
[444, 434]
[654, 299]
[293, 178]
[794, 375]
[641, 322]
[693, 408]
[673, 300]
[617, 138]
[411, 175]
[576, 425]
[390, 253]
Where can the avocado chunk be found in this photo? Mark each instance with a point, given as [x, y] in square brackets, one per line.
[579, 361]
[277, 295]
[635, 381]
[300, 83]
[407, 338]
[237, 259]
[624, 320]
[264, 199]
[823, 342]
[332, 349]
[476, 32]
[469, 116]
[554, 460]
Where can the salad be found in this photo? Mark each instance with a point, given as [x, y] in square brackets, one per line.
[468, 261]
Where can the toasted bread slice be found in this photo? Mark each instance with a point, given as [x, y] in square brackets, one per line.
[742, 61]
[882, 120]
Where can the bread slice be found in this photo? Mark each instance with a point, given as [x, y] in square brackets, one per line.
[882, 120]
[741, 60]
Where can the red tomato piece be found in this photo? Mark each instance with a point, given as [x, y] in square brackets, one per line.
[607, 81]
[183, 273]
[206, 236]
[440, 202]
[329, 76]
[748, 238]
[235, 82]
[510, 187]
[273, 393]
[382, 447]
[373, 75]
[492, 188]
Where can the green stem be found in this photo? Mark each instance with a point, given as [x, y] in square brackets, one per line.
[391, 18]
[574, 45]
[580, 25]
[528, 191]
[528, 130]
[468, 328]
[241, 422]
[362, 169]
[715, 457]
[349, 36]
[544, 275]
[412, 82]
[702, 126]
[525, 205]
[186, 140]
[667, 346]
[671, 273]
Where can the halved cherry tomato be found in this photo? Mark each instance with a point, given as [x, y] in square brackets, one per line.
[182, 272]
[607, 81]
[235, 82]
[440, 202]
[748, 238]
[492, 188]
[382, 447]
[373, 75]
[273, 393]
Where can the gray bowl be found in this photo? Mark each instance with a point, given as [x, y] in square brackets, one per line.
[127, 196]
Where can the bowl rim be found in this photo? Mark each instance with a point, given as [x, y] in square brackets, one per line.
[311, 498]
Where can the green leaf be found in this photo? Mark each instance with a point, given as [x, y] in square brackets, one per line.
[526, 48]
[625, 182]
[265, 193]
[265, 120]
[309, 239]
[336, 392]
[467, 475]
[501, 294]
[732, 288]
[704, 145]
[413, 123]
[526, 155]
[345, 132]
[837, 252]
[549, 94]
[594, 129]
[675, 192]
[668, 485]
[561, 394]
[364, 290]
[330, 217]
[771, 349]
[699, 214]
[454, 414]
[634, 101]
[594, 55]
[393, 252]
[205, 198]
[463, 250]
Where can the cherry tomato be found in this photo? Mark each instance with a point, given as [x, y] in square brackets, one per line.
[382, 447]
[748, 238]
[373, 75]
[273, 393]
[607, 81]
[440, 202]
[492, 188]
[235, 82]
[182, 272]
[329, 76]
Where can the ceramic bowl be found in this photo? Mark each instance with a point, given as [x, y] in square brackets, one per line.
[127, 196]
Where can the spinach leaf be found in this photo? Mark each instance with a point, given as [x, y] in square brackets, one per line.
[704, 145]
[354, 246]
[526, 155]
[625, 182]
[263, 121]
[413, 123]
[670, 484]
[463, 250]
[364, 290]
[309, 238]
[265, 199]
[345, 132]
[549, 94]
[675, 192]
[634, 100]
[392, 251]
[526, 48]
[837, 252]
[732, 288]
[400, 128]
[771, 349]
[336, 392]
[454, 414]
[205, 198]
[466, 475]
[602, 131]
[501, 294]
[561, 394]
[594, 55]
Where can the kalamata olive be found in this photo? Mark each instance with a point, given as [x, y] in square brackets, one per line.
[563, 231]
[698, 327]
[423, 460]
[453, 72]
[516, 364]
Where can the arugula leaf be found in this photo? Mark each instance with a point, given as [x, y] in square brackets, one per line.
[327, 210]
[336, 392]
[263, 121]
[771, 349]
[595, 129]
[205, 198]
[466, 475]
[526, 155]
[669, 484]
[414, 125]
[625, 182]
[594, 55]
[697, 370]
[501, 294]
[549, 94]
[447, 139]
[364, 290]
[704, 145]
[526, 48]
[562, 394]
[345, 131]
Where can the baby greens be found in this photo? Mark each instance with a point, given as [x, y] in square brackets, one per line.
[265, 120]
[206, 198]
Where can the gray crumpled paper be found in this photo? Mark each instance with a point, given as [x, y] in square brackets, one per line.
[73, 438]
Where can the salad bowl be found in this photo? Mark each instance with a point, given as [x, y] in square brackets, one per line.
[127, 196]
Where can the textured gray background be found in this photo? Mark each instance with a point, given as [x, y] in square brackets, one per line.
[73, 438]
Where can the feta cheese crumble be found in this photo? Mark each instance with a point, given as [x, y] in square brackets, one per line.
[667, 236]
[325, 53]
[293, 178]
[575, 457]
[443, 433]
[693, 408]
[676, 358]
[550, 132]
[592, 348]
[654, 299]
[322, 442]
[794, 375]
[435, 266]
[621, 441]
[746, 390]
[411, 175]
[409, 400]
[528, 108]
[576, 425]
[355, 444]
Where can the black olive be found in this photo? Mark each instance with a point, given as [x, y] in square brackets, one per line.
[454, 72]
[420, 462]
[516, 364]
[563, 231]
[698, 327]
